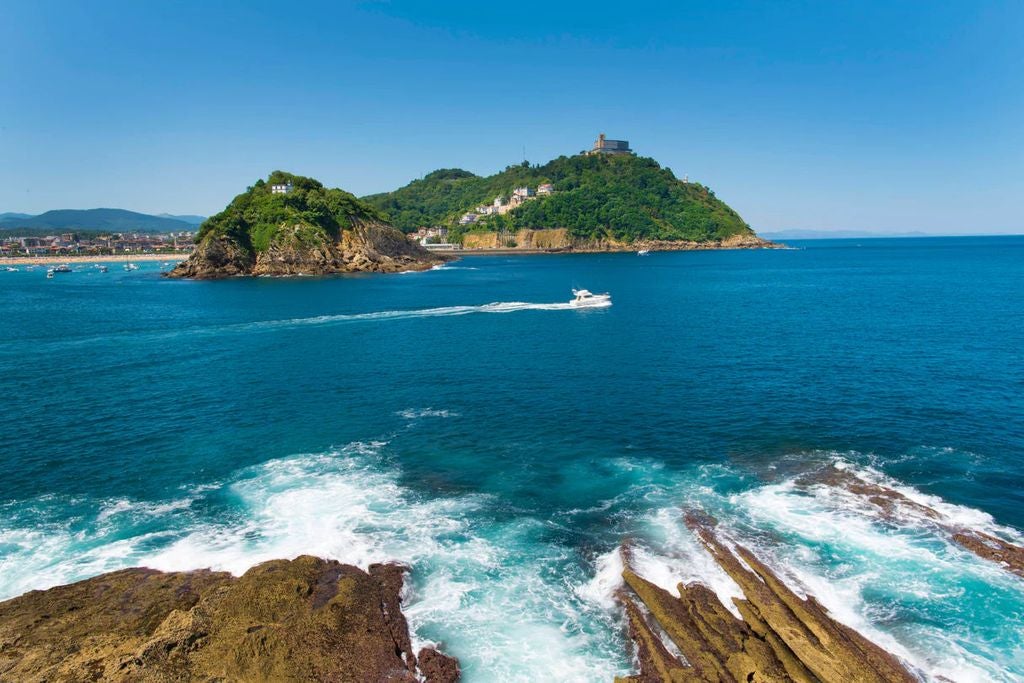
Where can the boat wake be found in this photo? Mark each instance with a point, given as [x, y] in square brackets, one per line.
[444, 311]
[321, 320]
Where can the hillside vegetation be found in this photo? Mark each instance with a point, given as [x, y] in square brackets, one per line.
[619, 197]
[310, 211]
[307, 230]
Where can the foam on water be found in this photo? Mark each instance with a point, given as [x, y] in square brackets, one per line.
[511, 601]
[493, 590]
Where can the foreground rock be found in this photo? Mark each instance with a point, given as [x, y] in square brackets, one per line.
[781, 637]
[302, 620]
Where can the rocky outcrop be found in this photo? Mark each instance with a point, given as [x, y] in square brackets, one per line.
[303, 250]
[559, 239]
[300, 620]
[890, 503]
[216, 256]
[781, 636]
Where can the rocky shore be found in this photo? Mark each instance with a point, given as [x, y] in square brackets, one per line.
[780, 637]
[313, 619]
[559, 240]
[366, 247]
[301, 620]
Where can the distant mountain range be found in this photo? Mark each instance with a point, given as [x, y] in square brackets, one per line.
[93, 220]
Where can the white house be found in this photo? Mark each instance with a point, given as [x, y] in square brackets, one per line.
[522, 192]
[281, 188]
[545, 188]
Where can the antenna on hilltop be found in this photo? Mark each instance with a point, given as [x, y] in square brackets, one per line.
[524, 152]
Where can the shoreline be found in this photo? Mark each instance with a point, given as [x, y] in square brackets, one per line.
[104, 258]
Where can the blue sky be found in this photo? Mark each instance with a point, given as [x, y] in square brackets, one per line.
[888, 116]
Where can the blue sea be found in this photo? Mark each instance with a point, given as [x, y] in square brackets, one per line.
[468, 423]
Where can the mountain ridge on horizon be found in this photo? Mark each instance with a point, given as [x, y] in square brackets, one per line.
[112, 219]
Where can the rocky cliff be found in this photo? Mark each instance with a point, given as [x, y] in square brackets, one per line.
[302, 620]
[781, 636]
[561, 239]
[302, 228]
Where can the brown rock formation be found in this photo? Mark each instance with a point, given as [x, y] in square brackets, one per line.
[300, 620]
[559, 239]
[889, 501]
[781, 636]
[300, 250]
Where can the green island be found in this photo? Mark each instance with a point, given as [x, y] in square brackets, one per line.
[595, 198]
[293, 225]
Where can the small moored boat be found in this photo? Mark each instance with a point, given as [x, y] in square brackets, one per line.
[62, 268]
[643, 252]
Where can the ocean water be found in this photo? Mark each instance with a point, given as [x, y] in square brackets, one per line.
[502, 444]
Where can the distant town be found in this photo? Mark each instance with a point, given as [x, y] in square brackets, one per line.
[113, 244]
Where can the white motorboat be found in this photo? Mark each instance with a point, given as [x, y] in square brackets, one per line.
[11, 269]
[130, 266]
[584, 297]
[643, 252]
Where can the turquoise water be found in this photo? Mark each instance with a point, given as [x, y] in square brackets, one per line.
[465, 422]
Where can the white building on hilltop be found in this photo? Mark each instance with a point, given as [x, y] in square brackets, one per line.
[281, 188]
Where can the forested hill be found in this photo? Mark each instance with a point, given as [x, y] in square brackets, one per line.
[622, 197]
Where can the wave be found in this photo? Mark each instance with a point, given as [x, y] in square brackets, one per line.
[416, 413]
[510, 599]
[901, 580]
[496, 591]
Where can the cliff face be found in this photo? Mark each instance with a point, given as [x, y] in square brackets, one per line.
[291, 225]
[560, 239]
[300, 620]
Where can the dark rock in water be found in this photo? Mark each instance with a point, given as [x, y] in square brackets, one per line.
[781, 636]
[890, 503]
[306, 619]
[437, 667]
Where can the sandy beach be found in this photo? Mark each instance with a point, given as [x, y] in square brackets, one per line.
[56, 260]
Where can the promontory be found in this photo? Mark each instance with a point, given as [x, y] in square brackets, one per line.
[292, 225]
[604, 199]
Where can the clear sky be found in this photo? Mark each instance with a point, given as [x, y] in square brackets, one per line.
[885, 116]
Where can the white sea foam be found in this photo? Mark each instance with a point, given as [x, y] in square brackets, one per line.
[416, 413]
[495, 593]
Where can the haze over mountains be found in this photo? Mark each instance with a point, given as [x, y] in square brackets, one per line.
[112, 220]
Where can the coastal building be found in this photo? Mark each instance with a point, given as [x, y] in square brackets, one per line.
[468, 217]
[605, 146]
[545, 188]
[281, 188]
[523, 192]
[499, 202]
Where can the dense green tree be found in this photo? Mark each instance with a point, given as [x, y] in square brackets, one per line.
[621, 197]
[253, 217]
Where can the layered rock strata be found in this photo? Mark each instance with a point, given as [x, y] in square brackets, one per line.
[781, 637]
